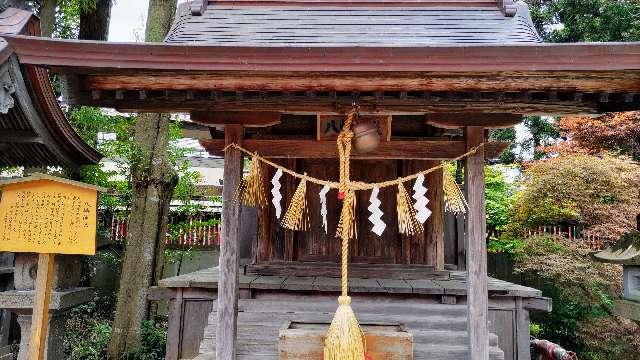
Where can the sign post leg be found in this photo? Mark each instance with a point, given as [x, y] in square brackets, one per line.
[40, 317]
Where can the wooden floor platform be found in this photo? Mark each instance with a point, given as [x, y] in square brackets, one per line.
[440, 283]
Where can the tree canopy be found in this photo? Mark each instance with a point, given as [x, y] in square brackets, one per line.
[586, 20]
[599, 193]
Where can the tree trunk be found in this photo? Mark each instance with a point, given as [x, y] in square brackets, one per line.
[94, 24]
[47, 14]
[153, 179]
[159, 19]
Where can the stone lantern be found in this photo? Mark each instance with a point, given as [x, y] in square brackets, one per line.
[626, 252]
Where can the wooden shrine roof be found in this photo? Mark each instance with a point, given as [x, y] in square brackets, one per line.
[352, 23]
[33, 128]
[258, 72]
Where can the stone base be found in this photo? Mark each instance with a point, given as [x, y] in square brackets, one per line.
[21, 303]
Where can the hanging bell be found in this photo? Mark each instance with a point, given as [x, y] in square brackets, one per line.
[366, 137]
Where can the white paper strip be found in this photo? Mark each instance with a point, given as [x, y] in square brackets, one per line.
[323, 203]
[275, 191]
[419, 194]
[376, 213]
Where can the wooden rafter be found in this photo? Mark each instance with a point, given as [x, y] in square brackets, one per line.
[244, 118]
[379, 102]
[584, 81]
[456, 121]
[396, 149]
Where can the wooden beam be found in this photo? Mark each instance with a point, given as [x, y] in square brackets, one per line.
[488, 121]
[40, 317]
[477, 287]
[419, 149]
[501, 59]
[378, 81]
[244, 118]
[228, 287]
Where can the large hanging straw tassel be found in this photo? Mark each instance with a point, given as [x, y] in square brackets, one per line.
[454, 201]
[347, 223]
[408, 222]
[345, 339]
[253, 193]
[297, 215]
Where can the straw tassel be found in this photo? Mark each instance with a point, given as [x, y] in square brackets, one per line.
[297, 215]
[347, 224]
[345, 339]
[454, 201]
[408, 222]
[251, 190]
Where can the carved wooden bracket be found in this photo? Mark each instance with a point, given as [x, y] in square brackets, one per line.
[508, 7]
[7, 89]
[198, 7]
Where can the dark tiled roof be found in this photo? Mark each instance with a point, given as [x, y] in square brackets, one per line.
[351, 26]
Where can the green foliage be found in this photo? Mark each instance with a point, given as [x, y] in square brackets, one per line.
[543, 132]
[509, 135]
[153, 343]
[535, 330]
[88, 329]
[68, 17]
[583, 293]
[586, 20]
[498, 195]
[505, 244]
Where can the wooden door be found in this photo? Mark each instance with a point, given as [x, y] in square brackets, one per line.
[316, 244]
[369, 247]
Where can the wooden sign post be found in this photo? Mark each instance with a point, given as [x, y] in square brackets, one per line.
[47, 215]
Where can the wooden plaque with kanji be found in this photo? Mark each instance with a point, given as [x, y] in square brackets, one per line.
[45, 214]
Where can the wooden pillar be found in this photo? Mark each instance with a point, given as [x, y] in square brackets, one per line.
[477, 292]
[435, 224]
[229, 249]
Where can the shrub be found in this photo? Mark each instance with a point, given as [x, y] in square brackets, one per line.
[583, 292]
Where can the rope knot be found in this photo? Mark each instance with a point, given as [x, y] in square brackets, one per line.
[344, 300]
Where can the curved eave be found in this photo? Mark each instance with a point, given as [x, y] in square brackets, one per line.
[35, 131]
[491, 59]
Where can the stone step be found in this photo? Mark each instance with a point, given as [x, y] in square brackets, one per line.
[434, 353]
[330, 306]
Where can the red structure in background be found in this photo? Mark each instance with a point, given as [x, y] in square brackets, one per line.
[195, 235]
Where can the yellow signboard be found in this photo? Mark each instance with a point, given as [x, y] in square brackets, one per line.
[48, 215]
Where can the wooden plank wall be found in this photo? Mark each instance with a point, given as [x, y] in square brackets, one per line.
[276, 244]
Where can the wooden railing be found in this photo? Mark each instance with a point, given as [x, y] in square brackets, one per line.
[195, 234]
[570, 232]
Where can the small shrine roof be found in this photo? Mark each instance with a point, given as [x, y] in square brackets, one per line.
[40, 177]
[33, 128]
